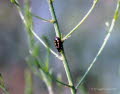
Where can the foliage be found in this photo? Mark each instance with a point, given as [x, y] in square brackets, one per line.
[42, 68]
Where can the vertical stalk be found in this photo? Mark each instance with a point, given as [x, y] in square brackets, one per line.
[28, 82]
[68, 73]
[52, 11]
[47, 81]
[58, 34]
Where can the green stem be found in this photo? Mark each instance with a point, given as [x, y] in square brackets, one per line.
[68, 73]
[47, 73]
[58, 34]
[24, 21]
[50, 89]
[4, 89]
[47, 82]
[103, 45]
[52, 77]
[84, 18]
[28, 82]
[54, 53]
[50, 21]
[45, 45]
[52, 11]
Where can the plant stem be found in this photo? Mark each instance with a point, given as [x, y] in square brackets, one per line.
[47, 81]
[45, 20]
[52, 11]
[50, 89]
[45, 45]
[54, 79]
[54, 53]
[47, 73]
[56, 29]
[68, 73]
[103, 44]
[28, 82]
[83, 19]
[4, 89]
[58, 34]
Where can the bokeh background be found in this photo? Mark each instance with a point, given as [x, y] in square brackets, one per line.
[80, 48]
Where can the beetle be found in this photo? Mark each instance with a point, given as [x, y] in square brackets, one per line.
[58, 44]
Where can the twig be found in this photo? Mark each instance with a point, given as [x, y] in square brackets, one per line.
[28, 82]
[46, 45]
[50, 21]
[68, 73]
[52, 11]
[83, 19]
[47, 73]
[24, 21]
[104, 43]
[4, 89]
[47, 81]
[52, 77]
[58, 34]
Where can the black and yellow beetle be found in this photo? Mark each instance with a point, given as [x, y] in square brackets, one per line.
[58, 44]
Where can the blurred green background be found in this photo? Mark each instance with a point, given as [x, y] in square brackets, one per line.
[80, 48]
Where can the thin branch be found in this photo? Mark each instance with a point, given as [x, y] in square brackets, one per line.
[47, 81]
[4, 89]
[45, 45]
[103, 45]
[52, 77]
[47, 73]
[50, 89]
[58, 34]
[52, 11]
[54, 53]
[45, 20]
[68, 73]
[28, 82]
[24, 21]
[84, 18]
